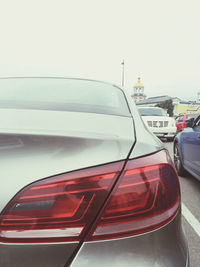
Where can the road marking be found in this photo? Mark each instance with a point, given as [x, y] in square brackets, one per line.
[191, 219]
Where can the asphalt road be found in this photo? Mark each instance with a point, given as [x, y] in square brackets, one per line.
[190, 189]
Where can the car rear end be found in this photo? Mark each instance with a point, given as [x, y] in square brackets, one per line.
[84, 184]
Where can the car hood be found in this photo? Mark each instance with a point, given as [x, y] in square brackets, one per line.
[37, 144]
[157, 118]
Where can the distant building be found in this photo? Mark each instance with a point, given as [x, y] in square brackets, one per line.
[153, 101]
[138, 91]
[180, 106]
[185, 107]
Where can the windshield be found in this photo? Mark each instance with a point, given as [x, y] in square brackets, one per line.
[62, 94]
[151, 112]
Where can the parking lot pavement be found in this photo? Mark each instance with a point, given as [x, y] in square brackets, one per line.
[190, 189]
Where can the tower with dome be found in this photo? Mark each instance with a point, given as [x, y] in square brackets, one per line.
[138, 94]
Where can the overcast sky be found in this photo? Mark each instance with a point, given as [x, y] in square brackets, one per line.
[158, 39]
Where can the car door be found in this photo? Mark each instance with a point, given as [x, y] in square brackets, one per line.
[179, 123]
[191, 147]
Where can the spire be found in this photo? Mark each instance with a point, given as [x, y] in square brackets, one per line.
[139, 91]
[139, 84]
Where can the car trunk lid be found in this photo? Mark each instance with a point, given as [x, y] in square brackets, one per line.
[38, 144]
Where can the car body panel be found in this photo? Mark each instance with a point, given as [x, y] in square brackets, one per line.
[36, 255]
[191, 149]
[189, 146]
[180, 122]
[146, 142]
[39, 151]
[159, 248]
[35, 144]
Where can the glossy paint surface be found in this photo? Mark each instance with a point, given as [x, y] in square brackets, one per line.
[159, 248]
[35, 144]
[189, 147]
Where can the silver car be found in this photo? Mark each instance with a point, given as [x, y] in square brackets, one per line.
[83, 182]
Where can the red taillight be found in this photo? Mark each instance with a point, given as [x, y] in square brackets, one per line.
[146, 196]
[59, 208]
[93, 204]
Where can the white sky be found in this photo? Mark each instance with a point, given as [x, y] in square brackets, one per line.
[158, 39]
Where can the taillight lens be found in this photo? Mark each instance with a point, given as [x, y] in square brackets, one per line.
[59, 208]
[146, 196]
[95, 203]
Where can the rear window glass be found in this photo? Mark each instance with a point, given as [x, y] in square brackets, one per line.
[62, 94]
[192, 116]
[151, 112]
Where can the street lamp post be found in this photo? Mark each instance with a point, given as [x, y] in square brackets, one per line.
[122, 73]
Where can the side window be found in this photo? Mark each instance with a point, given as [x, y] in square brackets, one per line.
[180, 119]
[198, 122]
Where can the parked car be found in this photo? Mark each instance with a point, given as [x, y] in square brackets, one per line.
[187, 149]
[158, 122]
[83, 182]
[181, 120]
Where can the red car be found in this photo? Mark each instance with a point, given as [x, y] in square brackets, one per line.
[181, 120]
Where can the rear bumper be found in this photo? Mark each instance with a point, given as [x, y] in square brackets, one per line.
[163, 247]
[35, 255]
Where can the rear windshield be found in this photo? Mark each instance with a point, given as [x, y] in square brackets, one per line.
[62, 94]
[192, 116]
[151, 112]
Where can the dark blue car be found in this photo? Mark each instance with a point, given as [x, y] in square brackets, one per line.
[187, 149]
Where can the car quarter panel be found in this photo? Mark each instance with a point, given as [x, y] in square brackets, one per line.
[159, 248]
[146, 142]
